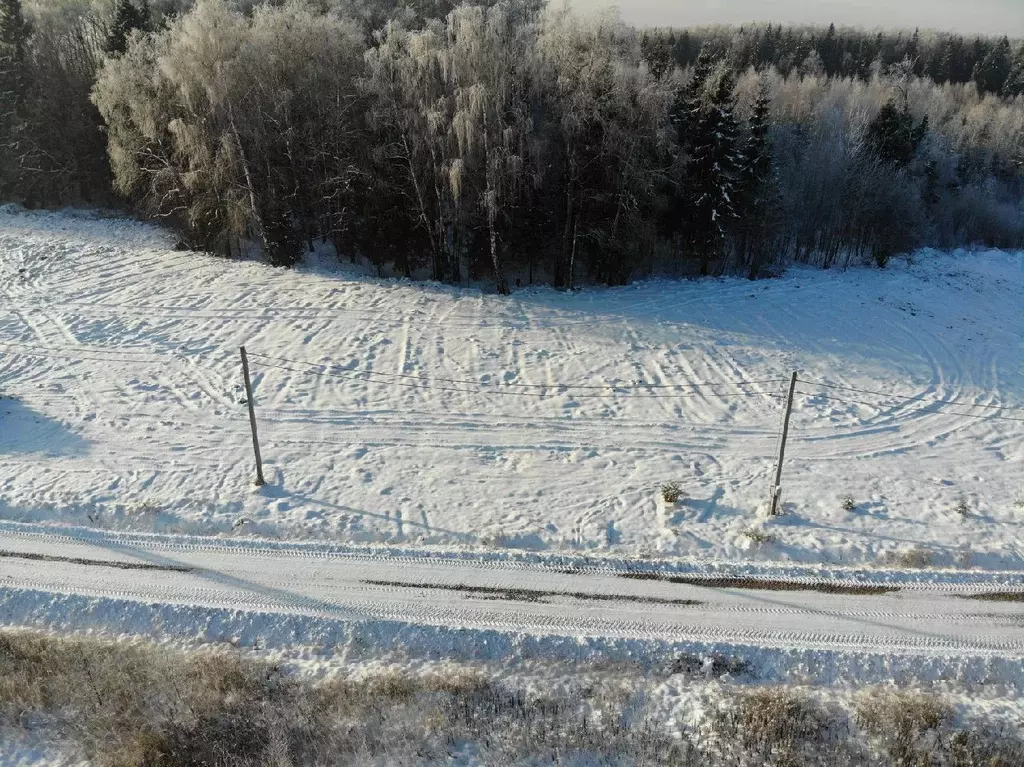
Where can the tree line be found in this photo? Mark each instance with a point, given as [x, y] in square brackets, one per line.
[509, 141]
[995, 65]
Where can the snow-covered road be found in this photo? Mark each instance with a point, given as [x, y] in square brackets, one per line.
[534, 599]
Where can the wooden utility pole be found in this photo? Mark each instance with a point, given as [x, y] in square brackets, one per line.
[777, 486]
[252, 418]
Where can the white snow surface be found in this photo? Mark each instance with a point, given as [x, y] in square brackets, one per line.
[444, 418]
[428, 609]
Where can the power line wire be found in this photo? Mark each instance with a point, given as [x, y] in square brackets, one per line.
[496, 384]
[990, 416]
[894, 395]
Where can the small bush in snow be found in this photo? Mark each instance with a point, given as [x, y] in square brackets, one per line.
[904, 723]
[779, 725]
[671, 492]
[848, 503]
[759, 537]
[961, 507]
[914, 558]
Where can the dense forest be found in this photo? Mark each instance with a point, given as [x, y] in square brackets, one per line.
[512, 141]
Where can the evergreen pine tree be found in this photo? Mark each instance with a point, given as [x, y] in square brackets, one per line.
[754, 184]
[711, 175]
[942, 71]
[991, 72]
[127, 18]
[893, 136]
[13, 39]
[689, 101]
[657, 52]
[830, 52]
[914, 53]
[684, 115]
[1014, 85]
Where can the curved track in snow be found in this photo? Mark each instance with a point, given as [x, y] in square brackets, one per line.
[119, 356]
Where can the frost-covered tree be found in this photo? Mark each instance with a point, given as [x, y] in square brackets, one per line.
[487, 68]
[59, 150]
[412, 113]
[608, 144]
[238, 128]
[489, 140]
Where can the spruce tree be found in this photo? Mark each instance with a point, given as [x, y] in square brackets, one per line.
[754, 184]
[711, 175]
[689, 101]
[830, 52]
[127, 18]
[991, 73]
[657, 52]
[893, 136]
[1014, 85]
[684, 115]
[13, 82]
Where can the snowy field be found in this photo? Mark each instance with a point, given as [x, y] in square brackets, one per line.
[429, 415]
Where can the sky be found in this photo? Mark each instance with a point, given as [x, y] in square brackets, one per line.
[964, 16]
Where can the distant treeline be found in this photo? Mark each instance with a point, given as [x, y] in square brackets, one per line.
[995, 64]
[512, 141]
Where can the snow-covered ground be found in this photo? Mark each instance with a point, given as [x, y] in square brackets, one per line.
[428, 415]
[430, 609]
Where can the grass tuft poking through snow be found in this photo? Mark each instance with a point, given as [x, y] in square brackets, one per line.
[671, 492]
[912, 558]
[904, 724]
[962, 508]
[777, 725]
[760, 537]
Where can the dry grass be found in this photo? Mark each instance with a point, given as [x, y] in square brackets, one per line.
[912, 558]
[122, 705]
[139, 705]
[779, 726]
[905, 725]
[995, 596]
[760, 537]
[848, 503]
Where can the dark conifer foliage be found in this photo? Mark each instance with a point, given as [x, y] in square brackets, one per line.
[1014, 85]
[990, 74]
[128, 17]
[894, 136]
[13, 39]
[755, 188]
[711, 175]
[942, 57]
